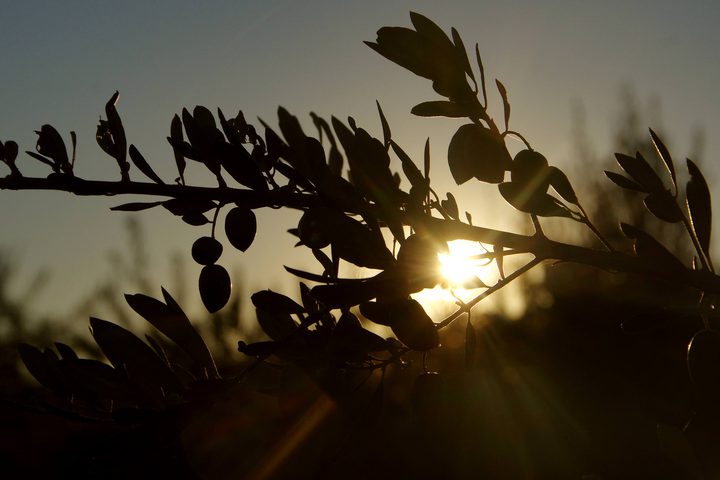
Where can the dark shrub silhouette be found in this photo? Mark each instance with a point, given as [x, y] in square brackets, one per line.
[342, 400]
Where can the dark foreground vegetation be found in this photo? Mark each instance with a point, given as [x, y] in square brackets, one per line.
[615, 378]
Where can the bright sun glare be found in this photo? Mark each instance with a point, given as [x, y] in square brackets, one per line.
[460, 265]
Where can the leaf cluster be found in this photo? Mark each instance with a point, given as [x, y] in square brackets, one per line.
[354, 209]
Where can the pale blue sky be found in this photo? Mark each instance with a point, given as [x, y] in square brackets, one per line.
[62, 60]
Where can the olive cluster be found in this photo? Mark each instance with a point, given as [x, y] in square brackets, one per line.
[215, 285]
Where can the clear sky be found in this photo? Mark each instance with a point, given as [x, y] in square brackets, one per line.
[61, 61]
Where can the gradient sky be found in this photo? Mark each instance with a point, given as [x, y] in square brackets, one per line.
[61, 61]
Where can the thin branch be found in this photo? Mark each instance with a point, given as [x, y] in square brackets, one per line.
[249, 198]
[467, 306]
[552, 250]
[441, 229]
[519, 136]
[536, 225]
[493, 255]
[214, 220]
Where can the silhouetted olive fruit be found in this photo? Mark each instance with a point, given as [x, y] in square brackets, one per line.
[417, 249]
[413, 326]
[476, 151]
[240, 227]
[703, 359]
[215, 287]
[310, 231]
[206, 250]
[530, 170]
[418, 257]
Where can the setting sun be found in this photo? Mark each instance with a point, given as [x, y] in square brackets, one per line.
[460, 265]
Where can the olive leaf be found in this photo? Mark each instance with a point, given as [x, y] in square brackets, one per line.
[478, 59]
[387, 135]
[537, 203]
[236, 129]
[462, 53]
[665, 156]
[277, 325]
[351, 341]
[111, 136]
[506, 104]
[176, 137]
[450, 206]
[426, 160]
[624, 182]
[648, 246]
[699, 206]
[640, 171]
[142, 165]
[290, 128]
[350, 239]
[205, 139]
[239, 163]
[410, 170]
[136, 206]
[324, 128]
[96, 382]
[128, 353]
[183, 206]
[561, 184]
[172, 322]
[274, 302]
[663, 206]
[354, 292]
[8, 154]
[51, 150]
[73, 141]
[427, 52]
[440, 108]
[195, 219]
[370, 170]
[42, 368]
[324, 260]
[66, 352]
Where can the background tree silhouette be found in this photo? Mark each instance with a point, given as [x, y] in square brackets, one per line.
[322, 361]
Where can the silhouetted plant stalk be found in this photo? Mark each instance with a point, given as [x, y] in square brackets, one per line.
[343, 219]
